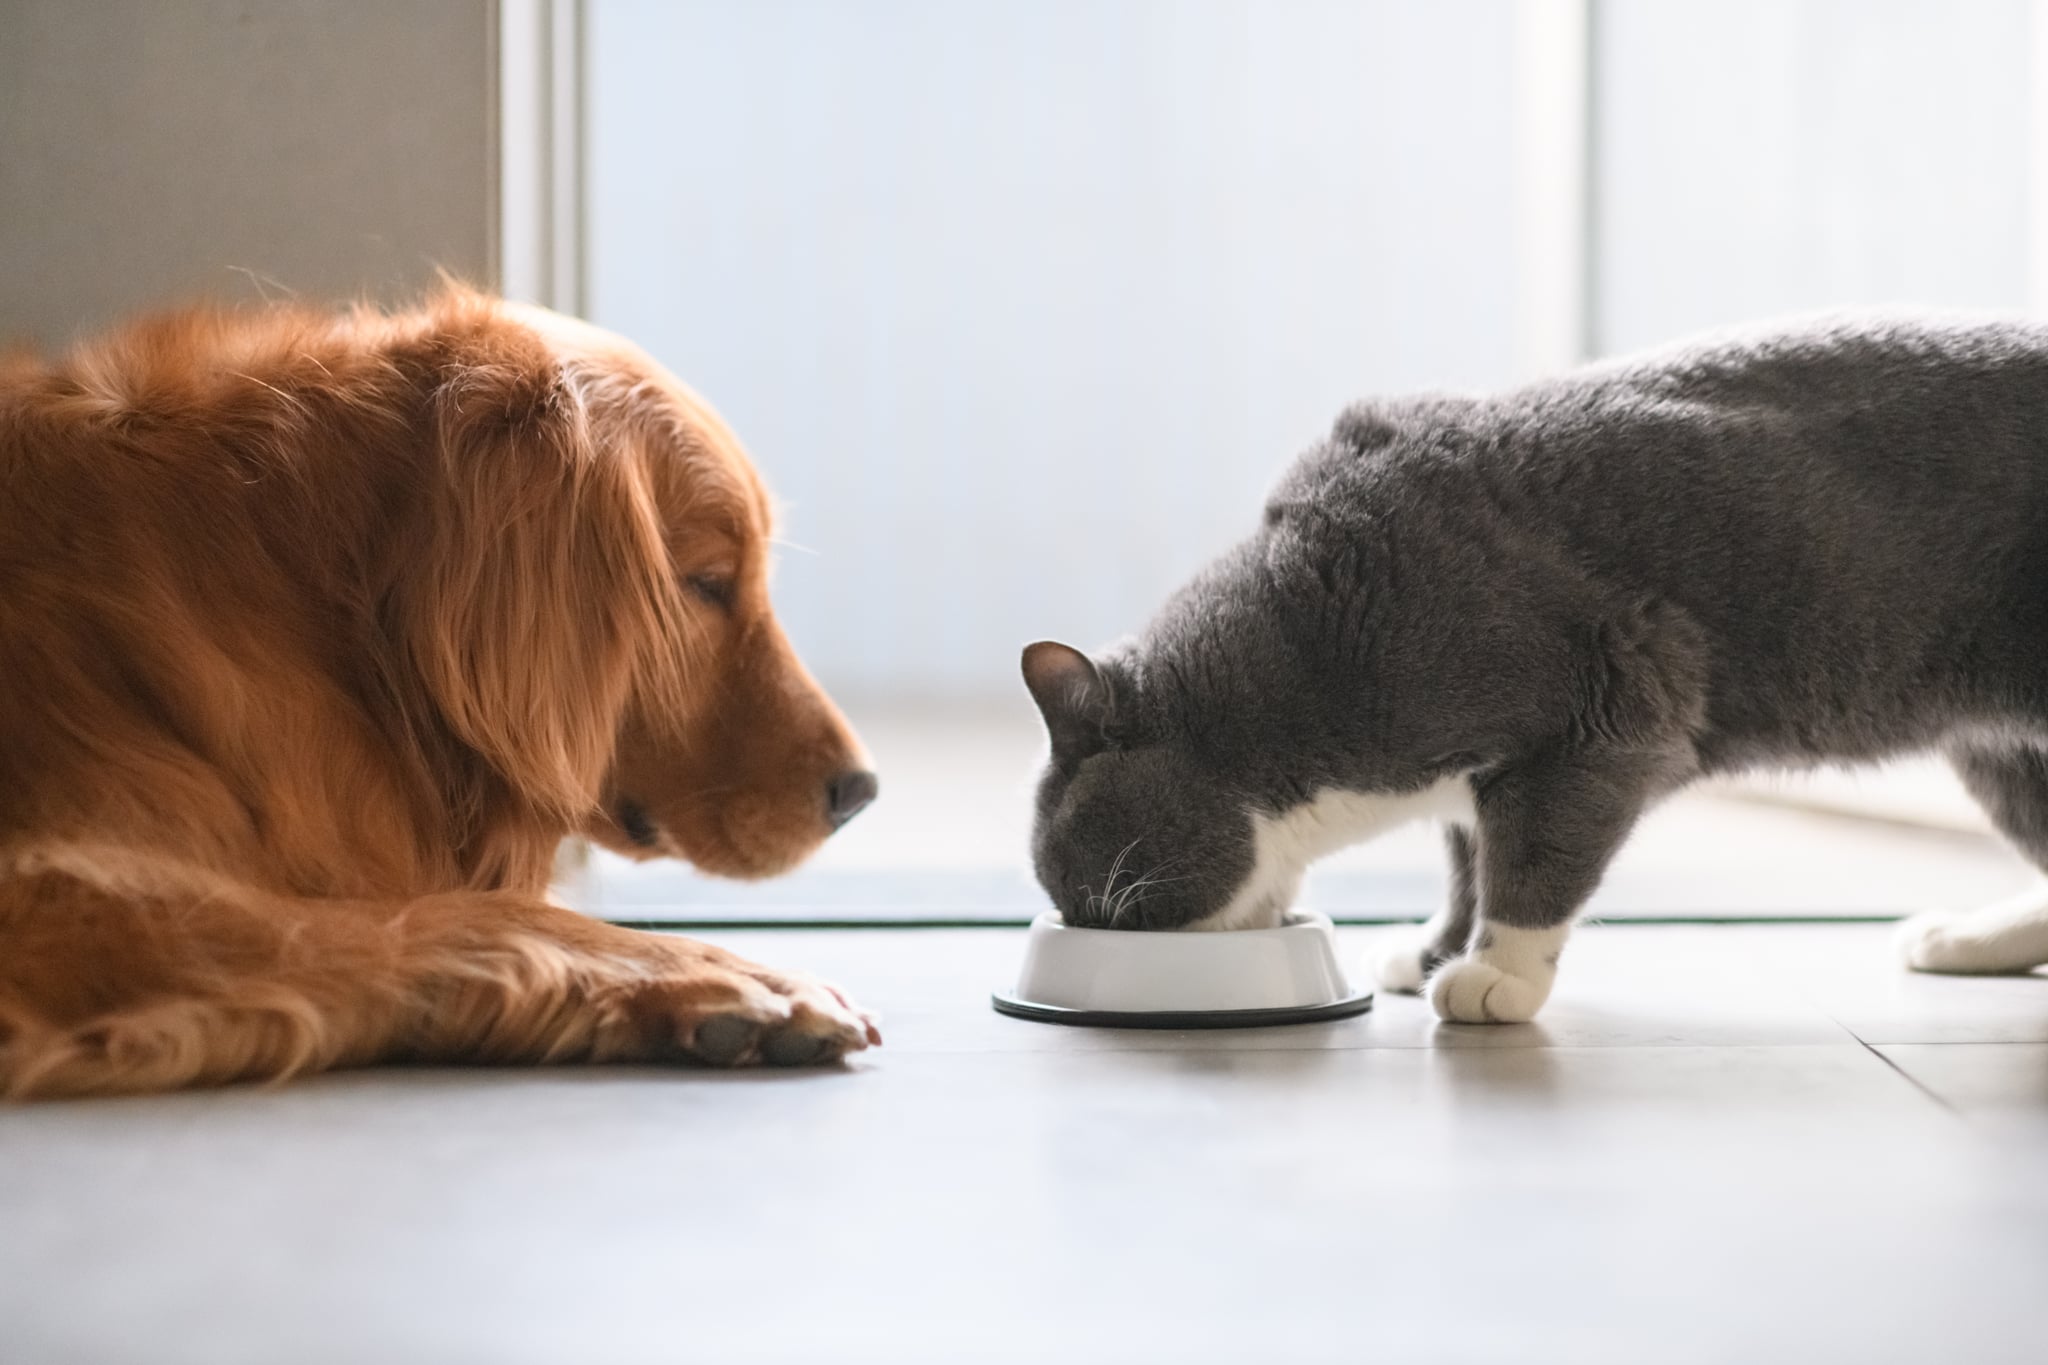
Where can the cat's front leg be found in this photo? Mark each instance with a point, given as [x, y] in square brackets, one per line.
[1545, 833]
[1504, 979]
[1403, 960]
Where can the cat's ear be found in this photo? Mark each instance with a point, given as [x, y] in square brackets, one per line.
[1071, 694]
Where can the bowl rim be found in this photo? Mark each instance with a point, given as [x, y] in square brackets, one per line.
[1293, 922]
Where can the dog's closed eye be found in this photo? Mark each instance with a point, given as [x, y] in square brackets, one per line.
[712, 589]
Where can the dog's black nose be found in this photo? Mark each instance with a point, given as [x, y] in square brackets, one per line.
[848, 794]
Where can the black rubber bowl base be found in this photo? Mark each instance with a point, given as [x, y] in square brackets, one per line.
[1356, 1003]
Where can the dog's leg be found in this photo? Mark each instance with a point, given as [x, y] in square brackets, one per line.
[2012, 935]
[1410, 955]
[154, 984]
[1546, 832]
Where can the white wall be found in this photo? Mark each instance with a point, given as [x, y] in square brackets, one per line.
[157, 150]
[1021, 304]
[1755, 157]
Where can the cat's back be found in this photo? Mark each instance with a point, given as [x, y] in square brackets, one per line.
[1765, 421]
[1879, 449]
[1909, 375]
[1902, 398]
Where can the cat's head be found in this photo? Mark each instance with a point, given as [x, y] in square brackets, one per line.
[1135, 829]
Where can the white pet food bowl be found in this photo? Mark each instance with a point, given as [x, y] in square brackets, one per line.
[1121, 978]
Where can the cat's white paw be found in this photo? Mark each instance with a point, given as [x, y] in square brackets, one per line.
[1960, 944]
[1468, 990]
[1924, 944]
[2010, 936]
[1398, 963]
[1504, 979]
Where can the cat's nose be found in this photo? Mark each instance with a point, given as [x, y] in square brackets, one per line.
[848, 794]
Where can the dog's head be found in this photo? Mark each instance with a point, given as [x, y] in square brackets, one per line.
[595, 616]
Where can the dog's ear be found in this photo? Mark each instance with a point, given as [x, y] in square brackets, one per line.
[540, 593]
[1071, 694]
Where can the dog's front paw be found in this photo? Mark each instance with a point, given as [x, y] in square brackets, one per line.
[1472, 991]
[726, 1011]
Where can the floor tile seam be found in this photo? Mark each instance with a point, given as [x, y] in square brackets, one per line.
[1959, 1042]
[1910, 1079]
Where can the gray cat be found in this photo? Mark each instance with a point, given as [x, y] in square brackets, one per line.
[1532, 615]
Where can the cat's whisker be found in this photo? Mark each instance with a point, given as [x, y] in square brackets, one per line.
[1133, 896]
[1109, 902]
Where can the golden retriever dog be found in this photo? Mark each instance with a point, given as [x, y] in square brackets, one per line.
[318, 635]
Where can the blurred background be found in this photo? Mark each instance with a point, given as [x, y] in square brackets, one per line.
[1021, 304]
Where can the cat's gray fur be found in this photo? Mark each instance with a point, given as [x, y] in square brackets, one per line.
[1816, 543]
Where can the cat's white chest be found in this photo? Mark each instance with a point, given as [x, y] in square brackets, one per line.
[1285, 844]
[1338, 819]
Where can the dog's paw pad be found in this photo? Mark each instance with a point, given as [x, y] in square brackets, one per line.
[1469, 991]
[791, 1048]
[725, 1039]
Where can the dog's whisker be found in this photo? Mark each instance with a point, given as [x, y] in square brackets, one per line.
[263, 284]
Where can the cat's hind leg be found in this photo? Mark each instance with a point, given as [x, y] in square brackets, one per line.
[1409, 955]
[2011, 935]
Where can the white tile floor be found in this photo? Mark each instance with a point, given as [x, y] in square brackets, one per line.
[1741, 1144]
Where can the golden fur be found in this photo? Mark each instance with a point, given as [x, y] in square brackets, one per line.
[317, 635]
